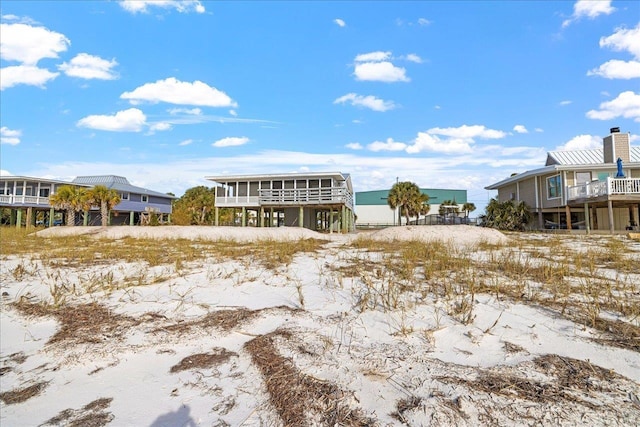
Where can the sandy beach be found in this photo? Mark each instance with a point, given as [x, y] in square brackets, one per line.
[219, 326]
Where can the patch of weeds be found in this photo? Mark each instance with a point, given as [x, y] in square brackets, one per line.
[300, 399]
[86, 323]
[405, 405]
[225, 320]
[204, 360]
[91, 415]
[568, 381]
[20, 395]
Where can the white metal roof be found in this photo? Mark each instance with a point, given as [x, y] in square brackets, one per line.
[585, 157]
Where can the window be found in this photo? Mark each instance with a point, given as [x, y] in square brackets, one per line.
[583, 178]
[145, 198]
[554, 187]
[44, 192]
[124, 196]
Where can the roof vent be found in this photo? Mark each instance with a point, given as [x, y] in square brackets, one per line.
[614, 130]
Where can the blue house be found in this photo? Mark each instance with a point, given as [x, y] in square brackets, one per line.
[30, 196]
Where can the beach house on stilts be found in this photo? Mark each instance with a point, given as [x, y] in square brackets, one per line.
[316, 200]
[591, 190]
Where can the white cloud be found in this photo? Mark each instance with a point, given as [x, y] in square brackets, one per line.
[428, 142]
[412, 57]
[354, 146]
[373, 56]
[624, 40]
[26, 75]
[581, 142]
[87, 66]
[468, 132]
[616, 69]
[188, 111]
[340, 22]
[564, 103]
[626, 104]
[520, 129]
[231, 141]
[233, 113]
[131, 120]
[388, 145]
[9, 136]
[540, 130]
[174, 91]
[458, 140]
[185, 142]
[380, 71]
[371, 102]
[589, 9]
[182, 6]
[29, 44]
[423, 21]
[159, 127]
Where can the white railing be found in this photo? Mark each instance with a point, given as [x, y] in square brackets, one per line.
[283, 197]
[316, 196]
[11, 199]
[604, 188]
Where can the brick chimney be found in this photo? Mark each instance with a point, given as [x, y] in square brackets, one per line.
[616, 145]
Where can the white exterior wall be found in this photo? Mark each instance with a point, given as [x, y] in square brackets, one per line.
[374, 214]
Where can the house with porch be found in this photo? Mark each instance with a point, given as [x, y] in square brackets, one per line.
[321, 201]
[28, 200]
[592, 190]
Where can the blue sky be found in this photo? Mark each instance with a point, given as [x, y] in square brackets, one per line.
[444, 94]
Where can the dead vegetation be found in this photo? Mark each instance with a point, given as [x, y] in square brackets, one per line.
[91, 415]
[20, 395]
[85, 323]
[204, 360]
[224, 320]
[298, 398]
[554, 380]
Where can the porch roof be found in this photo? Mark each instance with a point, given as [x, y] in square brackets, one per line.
[338, 176]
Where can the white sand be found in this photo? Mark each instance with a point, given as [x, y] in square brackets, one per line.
[463, 235]
[378, 354]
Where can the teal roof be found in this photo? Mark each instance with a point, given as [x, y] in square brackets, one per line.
[436, 196]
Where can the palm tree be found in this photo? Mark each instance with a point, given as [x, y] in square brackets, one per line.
[106, 198]
[70, 199]
[419, 205]
[407, 196]
[468, 207]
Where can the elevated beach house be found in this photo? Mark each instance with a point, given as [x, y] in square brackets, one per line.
[321, 201]
[595, 189]
[28, 200]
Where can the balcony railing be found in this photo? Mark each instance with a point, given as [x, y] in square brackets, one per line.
[288, 197]
[612, 186]
[11, 199]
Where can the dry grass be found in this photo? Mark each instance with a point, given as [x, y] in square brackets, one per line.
[300, 399]
[87, 323]
[91, 415]
[226, 320]
[554, 381]
[204, 360]
[84, 250]
[20, 395]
